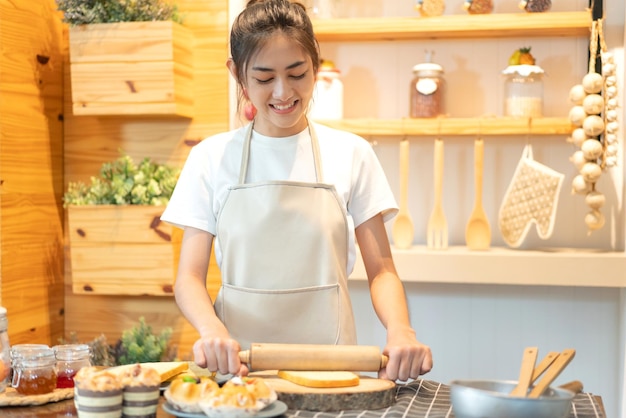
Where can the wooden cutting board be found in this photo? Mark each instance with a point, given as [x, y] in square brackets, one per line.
[371, 393]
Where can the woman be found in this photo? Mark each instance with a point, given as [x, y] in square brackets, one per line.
[286, 201]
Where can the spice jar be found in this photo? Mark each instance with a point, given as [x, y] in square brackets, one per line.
[523, 91]
[327, 101]
[70, 358]
[5, 360]
[427, 90]
[34, 369]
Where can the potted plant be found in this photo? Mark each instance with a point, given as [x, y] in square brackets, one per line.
[117, 242]
[128, 57]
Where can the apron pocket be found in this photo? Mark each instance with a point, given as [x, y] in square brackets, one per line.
[298, 316]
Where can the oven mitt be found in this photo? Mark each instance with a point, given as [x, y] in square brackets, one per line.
[532, 197]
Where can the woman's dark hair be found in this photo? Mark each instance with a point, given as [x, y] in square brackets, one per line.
[259, 21]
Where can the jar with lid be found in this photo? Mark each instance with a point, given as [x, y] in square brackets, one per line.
[34, 369]
[327, 100]
[427, 90]
[523, 91]
[70, 358]
[5, 353]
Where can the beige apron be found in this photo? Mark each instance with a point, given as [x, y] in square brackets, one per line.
[284, 253]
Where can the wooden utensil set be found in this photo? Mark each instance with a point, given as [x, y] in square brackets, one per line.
[477, 232]
[550, 367]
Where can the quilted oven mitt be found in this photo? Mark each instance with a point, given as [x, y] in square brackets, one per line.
[532, 197]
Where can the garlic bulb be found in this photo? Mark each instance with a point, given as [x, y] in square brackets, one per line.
[578, 137]
[578, 159]
[577, 115]
[595, 199]
[592, 83]
[577, 94]
[591, 149]
[580, 186]
[593, 125]
[591, 172]
[594, 220]
[593, 104]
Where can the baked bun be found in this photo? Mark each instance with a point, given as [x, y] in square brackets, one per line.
[239, 397]
[140, 376]
[185, 392]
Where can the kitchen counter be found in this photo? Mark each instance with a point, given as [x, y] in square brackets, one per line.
[416, 399]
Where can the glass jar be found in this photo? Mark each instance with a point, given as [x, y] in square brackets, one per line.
[523, 91]
[427, 91]
[70, 358]
[34, 369]
[327, 101]
[5, 353]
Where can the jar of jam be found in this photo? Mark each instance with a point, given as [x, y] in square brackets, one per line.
[427, 90]
[34, 369]
[5, 353]
[70, 358]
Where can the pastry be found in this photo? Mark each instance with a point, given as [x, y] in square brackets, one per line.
[185, 392]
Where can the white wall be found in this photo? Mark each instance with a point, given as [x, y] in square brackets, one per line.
[479, 331]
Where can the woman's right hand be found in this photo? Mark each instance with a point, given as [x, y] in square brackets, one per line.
[219, 355]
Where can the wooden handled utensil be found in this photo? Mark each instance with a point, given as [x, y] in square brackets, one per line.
[526, 372]
[437, 230]
[477, 231]
[402, 231]
[552, 373]
[313, 357]
[544, 364]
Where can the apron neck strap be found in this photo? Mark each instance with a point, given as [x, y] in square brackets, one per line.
[243, 171]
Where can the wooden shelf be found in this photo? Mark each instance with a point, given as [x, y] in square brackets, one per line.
[454, 126]
[496, 25]
[553, 267]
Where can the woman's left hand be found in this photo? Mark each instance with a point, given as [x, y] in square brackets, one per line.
[408, 358]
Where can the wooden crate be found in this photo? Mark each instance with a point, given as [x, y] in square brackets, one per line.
[131, 68]
[122, 250]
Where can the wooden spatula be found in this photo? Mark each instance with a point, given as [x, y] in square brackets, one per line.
[526, 372]
[402, 231]
[552, 373]
[544, 364]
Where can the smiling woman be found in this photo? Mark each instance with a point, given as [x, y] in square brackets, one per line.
[285, 202]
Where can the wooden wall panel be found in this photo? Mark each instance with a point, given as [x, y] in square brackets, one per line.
[90, 141]
[31, 170]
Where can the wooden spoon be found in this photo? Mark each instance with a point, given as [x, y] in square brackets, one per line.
[402, 231]
[552, 373]
[477, 231]
[526, 372]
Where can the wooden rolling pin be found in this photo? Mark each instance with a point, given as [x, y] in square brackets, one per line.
[313, 357]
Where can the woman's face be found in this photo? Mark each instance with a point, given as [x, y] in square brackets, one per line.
[279, 83]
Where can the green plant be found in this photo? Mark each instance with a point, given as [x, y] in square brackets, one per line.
[83, 12]
[123, 182]
[140, 344]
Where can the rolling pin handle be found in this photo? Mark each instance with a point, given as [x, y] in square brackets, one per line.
[244, 357]
[383, 361]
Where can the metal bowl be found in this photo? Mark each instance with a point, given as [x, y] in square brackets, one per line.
[490, 399]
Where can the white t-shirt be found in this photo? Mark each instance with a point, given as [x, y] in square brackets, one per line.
[348, 162]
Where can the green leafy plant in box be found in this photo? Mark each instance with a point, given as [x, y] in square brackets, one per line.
[123, 182]
[83, 12]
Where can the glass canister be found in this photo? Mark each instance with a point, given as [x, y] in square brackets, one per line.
[327, 101]
[5, 353]
[523, 91]
[34, 369]
[427, 90]
[70, 358]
